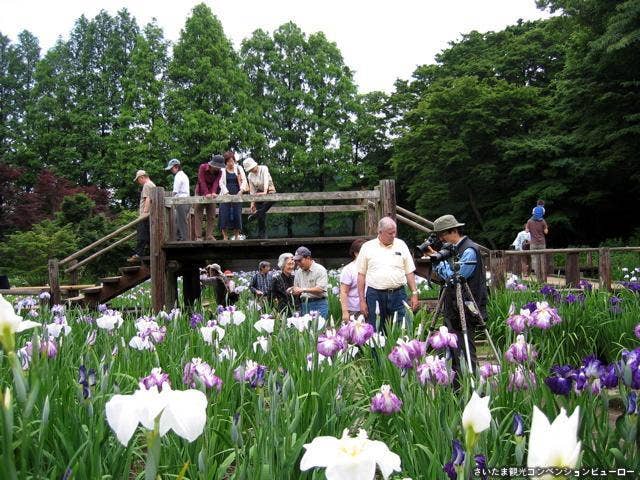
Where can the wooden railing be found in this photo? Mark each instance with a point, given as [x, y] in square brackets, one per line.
[503, 261]
[372, 204]
[72, 260]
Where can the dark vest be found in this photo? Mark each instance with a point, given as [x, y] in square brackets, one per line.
[478, 281]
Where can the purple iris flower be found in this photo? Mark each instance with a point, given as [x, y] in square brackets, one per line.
[385, 401]
[443, 339]
[195, 320]
[518, 425]
[251, 372]
[49, 347]
[636, 331]
[615, 304]
[545, 316]
[196, 369]
[481, 465]
[585, 285]
[632, 403]
[630, 368]
[520, 351]
[330, 343]
[570, 298]
[406, 352]
[457, 452]
[561, 379]
[489, 370]
[87, 379]
[531, 306]
[609, 376]
[521, 379]
[434, 370]
[450, 470]
[157, 378]
[357, 332]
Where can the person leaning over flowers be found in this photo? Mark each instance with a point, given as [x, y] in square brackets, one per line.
[260, 183]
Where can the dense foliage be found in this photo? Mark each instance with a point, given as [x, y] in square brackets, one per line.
[547, 109]
[53, 409]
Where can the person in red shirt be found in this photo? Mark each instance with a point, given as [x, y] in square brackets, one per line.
[208, 186]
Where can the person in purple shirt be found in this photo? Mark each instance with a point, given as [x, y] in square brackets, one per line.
[208, 186]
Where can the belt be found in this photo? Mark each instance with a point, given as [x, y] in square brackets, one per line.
[309, 300]
[387, 290]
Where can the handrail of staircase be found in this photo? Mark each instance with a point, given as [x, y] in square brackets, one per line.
[101, 241]
[417, 218]
[101, 252]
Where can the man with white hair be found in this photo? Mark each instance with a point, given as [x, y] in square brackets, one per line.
[386, 267]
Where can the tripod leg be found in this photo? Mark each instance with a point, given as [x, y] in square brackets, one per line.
[483, 324]
[463, 324]
[434, 317]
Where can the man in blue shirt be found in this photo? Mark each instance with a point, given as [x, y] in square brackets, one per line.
[449, 230]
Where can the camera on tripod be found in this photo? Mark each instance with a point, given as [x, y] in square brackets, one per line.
[432, 241]
[443, 250]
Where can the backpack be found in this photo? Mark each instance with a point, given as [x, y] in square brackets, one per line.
[526, 245]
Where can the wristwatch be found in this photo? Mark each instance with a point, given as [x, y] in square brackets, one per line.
[415, 292]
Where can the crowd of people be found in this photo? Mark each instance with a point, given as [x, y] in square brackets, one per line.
[221, 175]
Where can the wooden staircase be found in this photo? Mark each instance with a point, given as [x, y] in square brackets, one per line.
[110, 287]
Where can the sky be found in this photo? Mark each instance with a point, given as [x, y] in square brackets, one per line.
[380, 40]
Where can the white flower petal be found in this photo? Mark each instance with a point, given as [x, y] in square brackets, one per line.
[476, 414]
[122, 416]
[319, 453]
[185, 413]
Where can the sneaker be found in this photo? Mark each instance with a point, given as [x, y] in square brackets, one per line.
[240, 237]
[233, 238]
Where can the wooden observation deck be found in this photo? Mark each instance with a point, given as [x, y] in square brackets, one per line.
[170, 259]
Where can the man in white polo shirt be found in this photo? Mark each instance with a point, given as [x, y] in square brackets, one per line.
[180, 189]
[385, 266]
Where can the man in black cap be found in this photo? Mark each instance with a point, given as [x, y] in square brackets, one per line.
[310, 283]
[449, 230]
[208, 186]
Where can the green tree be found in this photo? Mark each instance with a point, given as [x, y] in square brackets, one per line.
[309, 102]
[596, 115]
[209, 105]
[24, 255]
[17, 78]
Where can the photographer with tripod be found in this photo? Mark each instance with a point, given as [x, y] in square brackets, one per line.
[457, 260]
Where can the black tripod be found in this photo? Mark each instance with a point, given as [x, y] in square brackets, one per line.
[458, 282]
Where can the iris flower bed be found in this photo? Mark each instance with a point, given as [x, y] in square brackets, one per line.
[247, 393]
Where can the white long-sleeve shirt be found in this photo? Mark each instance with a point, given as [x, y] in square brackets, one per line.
[180, 184]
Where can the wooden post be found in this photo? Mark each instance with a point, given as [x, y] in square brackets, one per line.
[73, 275]
[372, 220]
[541, 273]
[388, 199]
[604, 268]
[497, 268]
[157, 229]
[190, 284]
[572, 270]
[171, 288]
[54, 281]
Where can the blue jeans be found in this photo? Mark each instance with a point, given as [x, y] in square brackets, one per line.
[389, 302]
[320, 305]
